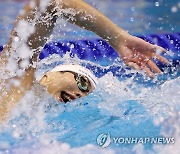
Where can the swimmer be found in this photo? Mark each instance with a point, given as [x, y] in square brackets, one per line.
[33, 28]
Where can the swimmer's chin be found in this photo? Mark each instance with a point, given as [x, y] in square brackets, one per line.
[64, 101]
[61, 100]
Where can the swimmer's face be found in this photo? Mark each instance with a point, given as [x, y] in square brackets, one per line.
[66, 86]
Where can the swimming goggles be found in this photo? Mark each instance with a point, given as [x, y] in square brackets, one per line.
[82, 82]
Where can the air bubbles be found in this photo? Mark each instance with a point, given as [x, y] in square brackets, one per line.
[157, 4]
[14, 126]
[155, 40]
[174, 9]
[24, 64]
[132, 9]
[147, 26]
[16, 39]
[131, 19]
[171, 41]
[160, 28]
[72, 46]
[16, 135]
[158, 120]
[160, 18]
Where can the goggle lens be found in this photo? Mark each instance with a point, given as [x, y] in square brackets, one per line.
[82, 82]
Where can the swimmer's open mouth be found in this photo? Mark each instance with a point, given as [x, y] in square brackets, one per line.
[66, 97]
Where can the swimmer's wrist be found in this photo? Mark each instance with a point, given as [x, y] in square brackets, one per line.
[119, 39]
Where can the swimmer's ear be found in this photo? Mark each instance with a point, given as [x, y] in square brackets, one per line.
[43, 80]
[46, 78]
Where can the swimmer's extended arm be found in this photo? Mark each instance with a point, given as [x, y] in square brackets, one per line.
[134, 51]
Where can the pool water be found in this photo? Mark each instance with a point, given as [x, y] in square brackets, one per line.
[122, 107]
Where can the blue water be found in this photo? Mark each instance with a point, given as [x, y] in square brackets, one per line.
[122, 107]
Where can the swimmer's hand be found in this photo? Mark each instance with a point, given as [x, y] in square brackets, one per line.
[135, 52]
[139, 55]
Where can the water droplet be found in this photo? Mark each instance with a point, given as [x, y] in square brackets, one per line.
[132, 19]
[160, 18]
[157, 4]
[17, 39]
[133, 9]
[171, 41]
[178, 4]
[147, 26]
[160, 28]
[155, 40]
[72, 46]
[174, 9]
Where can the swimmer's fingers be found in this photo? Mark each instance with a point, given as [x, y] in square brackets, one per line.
[153, 66]
[161, 58]
[146, 65]
[144, 61]
[148, 71]
[133, 65]
[133, 62]
[143, 68]
[157, 49]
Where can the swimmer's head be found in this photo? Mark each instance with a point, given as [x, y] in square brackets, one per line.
[69, 82]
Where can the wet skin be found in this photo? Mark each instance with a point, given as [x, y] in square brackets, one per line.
[64, 87]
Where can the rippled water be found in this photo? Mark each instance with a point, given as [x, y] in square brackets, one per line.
[122, 107]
